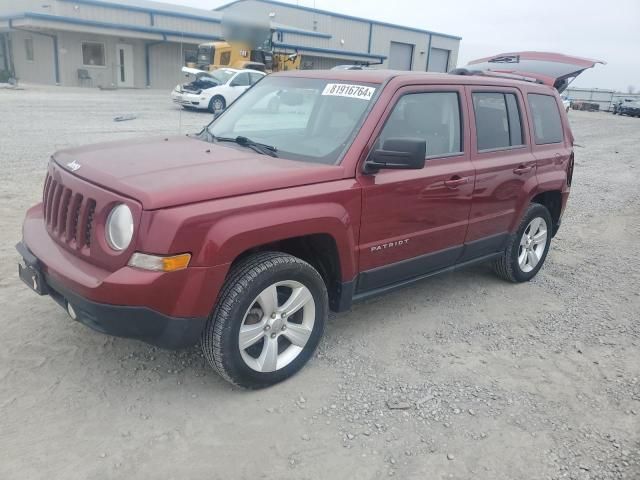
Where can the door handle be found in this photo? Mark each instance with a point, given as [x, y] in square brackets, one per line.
[522, 169]
[456, 181]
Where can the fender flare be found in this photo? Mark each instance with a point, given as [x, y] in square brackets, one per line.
[231, 236]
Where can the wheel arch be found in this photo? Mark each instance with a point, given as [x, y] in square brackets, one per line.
[327, 241]
[320, 250]
[552, 200]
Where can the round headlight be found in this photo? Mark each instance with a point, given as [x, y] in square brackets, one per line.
[119, 228]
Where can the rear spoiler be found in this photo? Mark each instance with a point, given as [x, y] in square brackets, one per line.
[553, 69]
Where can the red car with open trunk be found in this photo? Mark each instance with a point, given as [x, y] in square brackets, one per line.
[314, 190]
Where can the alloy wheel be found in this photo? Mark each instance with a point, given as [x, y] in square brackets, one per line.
[532, 244]
[277, 326]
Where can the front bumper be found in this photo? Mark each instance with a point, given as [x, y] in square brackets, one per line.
[187, 99]
[164, 309]
[140, 323]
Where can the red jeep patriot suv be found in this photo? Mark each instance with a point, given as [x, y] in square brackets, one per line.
[315, 189]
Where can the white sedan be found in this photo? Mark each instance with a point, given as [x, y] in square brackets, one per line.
[214, 91]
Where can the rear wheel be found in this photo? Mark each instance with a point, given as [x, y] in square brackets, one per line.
[268, 320]
[527, 249]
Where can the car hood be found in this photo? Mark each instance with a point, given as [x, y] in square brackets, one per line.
[165, 172]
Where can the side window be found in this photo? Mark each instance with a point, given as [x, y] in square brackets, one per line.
[241, 80]
[255, 77]
[225, 58]
[547, 126]
[433, 116]
[28, 49]
[498, 123]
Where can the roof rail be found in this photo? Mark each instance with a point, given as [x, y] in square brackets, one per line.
[489, 73]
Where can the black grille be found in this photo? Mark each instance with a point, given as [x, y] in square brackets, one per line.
[68, 215]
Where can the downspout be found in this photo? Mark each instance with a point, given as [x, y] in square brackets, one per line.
[147, 56]
[428, 51]
[54, 38]
[5, 54]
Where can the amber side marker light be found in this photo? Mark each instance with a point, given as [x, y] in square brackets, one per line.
[159, 263]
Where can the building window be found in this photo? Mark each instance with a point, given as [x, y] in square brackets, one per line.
[190, 55]
[28, 49]
[93, 54]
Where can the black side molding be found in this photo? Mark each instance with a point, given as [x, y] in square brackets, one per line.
[358, 297]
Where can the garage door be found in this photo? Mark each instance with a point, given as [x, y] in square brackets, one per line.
[438, 60]
[400, 55]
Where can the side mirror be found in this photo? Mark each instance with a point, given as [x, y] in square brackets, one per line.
[399, 154]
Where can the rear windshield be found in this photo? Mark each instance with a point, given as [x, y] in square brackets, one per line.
[306, 119]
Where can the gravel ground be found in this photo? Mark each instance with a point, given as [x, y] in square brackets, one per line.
[462, 376]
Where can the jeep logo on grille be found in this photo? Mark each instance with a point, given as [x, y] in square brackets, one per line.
[73, 166]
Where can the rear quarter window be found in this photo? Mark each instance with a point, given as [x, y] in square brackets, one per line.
[547, 125]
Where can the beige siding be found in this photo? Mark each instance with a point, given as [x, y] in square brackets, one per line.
[70, 49]
[165, 65]
[383, 36]
[189, 25]
[450, 44]
[100, 14]
[354, 33]
[41, 69]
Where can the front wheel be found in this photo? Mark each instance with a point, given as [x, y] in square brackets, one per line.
[217, 104]
[268, 321]
[527, 249]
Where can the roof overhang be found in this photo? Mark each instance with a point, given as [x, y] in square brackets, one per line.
[330, 52]
[47, 23]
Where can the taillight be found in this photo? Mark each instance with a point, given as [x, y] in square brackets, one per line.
[570, 170]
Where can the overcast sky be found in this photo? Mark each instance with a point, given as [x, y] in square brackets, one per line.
[604, 30]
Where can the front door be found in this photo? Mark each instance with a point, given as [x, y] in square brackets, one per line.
[238, 85]
[415, 221]
[124, 65]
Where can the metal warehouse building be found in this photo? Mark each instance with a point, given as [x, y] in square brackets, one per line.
[139, 43]
[344, 39]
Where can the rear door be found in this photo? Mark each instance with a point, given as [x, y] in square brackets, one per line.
[551, 140]
[415, 221]
[504, 163]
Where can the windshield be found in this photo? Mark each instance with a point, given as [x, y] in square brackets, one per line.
[303, 118]
[220, 76]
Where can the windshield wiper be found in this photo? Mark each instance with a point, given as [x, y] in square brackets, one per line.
[247, 142]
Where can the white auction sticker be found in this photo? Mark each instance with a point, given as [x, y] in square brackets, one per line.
[351, 91]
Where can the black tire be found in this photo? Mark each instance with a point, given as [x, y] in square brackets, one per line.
[245, 282]
[507, 266]
[213, 100]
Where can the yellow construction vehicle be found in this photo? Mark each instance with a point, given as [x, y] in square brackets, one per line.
[213, 55]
